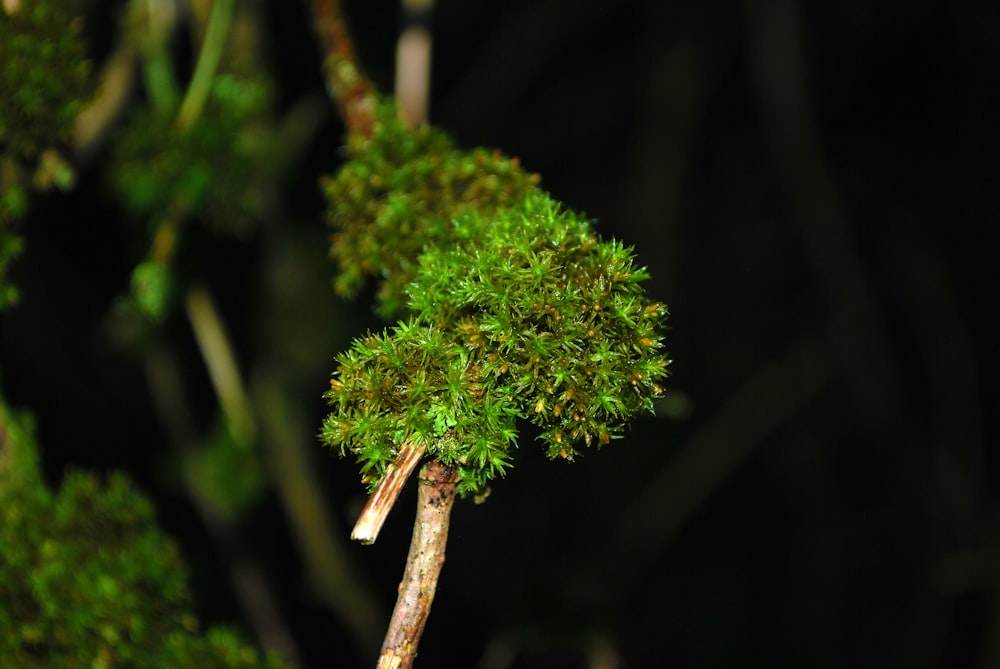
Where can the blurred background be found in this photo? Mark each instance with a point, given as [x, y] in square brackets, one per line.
[815, 191]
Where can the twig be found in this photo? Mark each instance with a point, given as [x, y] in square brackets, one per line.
[208, 63]
[158, 20]
[217, 352]
[246, 574]
[93, 125]
[413, 61]
[345, 82]
[423, 565]
[386, 492]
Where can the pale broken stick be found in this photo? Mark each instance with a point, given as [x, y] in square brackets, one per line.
[386, 492]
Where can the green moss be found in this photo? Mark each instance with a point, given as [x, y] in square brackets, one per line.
[517, 310]
[45, 81]
[10, 248]
[45, 77]
[524, 312]
[88, 580]
[399, 192]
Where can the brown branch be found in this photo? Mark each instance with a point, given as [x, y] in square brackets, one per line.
[423, 565]
[386, 492]
[353, 92]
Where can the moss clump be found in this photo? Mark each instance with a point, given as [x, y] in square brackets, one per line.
[45, 81]
[399, 192]
[523, 313]
[87, 579]
[45, 77]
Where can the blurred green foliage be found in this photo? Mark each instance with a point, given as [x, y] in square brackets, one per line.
[227, 471]
[219, 169]
[151, 289]
[45, 81]
[86, 577]
[45, 77]
[10, 248]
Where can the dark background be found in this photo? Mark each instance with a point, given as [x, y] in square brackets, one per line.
[815, 191]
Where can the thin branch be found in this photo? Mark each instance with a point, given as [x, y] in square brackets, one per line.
[93, 125]
[208, 63]
[345, 82]
[413, 62]
[423, 565]
[246, 574]
[386, 492]
[158, 20]
[220, 359]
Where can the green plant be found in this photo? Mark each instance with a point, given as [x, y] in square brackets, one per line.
[88, 580]
[45, 82]
[45, 76]
[399, 193]
[514, 310]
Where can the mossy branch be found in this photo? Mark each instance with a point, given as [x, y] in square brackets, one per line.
[345, 81]
[524, 314]
[512, 309]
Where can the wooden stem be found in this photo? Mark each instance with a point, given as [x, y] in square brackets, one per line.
[349, 87]
[423, 566]
[386, 492]
[413, 62]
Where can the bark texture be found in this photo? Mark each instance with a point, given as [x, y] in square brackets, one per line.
[435, 498]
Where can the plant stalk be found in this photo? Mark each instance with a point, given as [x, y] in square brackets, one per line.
[435, 497]
[380, 503]
[353, 92]
[413, 62]
[208, 63]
